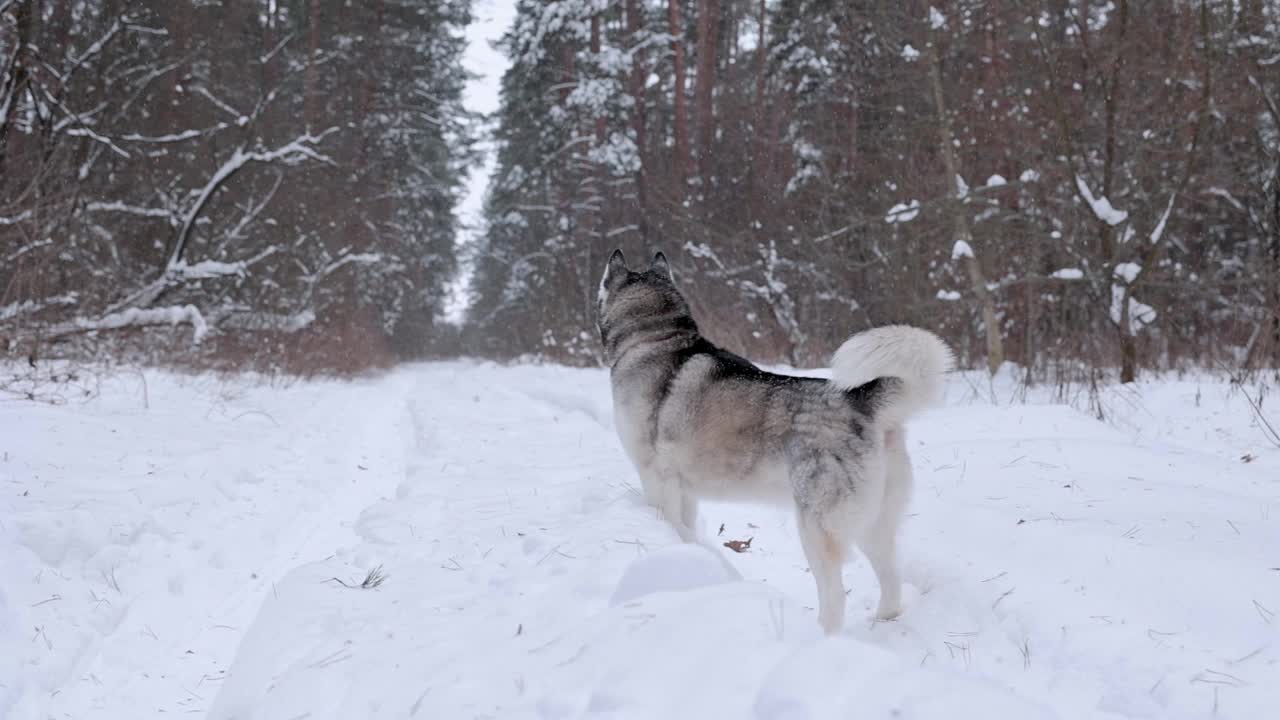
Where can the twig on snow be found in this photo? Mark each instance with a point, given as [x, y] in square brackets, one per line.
[256, 412]
[1250, 656]
[1213, 677]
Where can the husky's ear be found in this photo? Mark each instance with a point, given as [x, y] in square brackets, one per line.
[660, 265]
[617, 263]
[614, 273]
[617, 268]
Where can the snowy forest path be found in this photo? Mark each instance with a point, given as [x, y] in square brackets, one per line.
[468, 540]
[145, 528]
[1078, 568]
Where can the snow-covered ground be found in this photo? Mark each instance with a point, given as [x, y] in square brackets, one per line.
[196, 546]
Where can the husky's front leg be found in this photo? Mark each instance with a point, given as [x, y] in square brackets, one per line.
[651, 484]
[679, 507]
[688, 525]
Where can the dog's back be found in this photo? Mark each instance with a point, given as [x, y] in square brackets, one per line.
[734, 432]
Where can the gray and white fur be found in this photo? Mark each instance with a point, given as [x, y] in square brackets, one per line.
[698, 422]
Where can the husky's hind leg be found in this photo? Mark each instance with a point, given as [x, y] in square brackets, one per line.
[825, 553]
[880, 545]
[839, 499]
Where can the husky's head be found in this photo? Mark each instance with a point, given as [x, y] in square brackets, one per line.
[638, 304]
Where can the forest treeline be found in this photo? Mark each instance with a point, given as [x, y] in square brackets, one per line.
[1055, 183]
[276, 177]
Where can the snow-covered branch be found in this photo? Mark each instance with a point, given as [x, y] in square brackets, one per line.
[121, 207]
[84, 131]
[354, 258]
[1158, 231]
[174, 137]
[181, 272]
[1100, 205]
[96, 46]
[15, 219]
[30, 307]
[297, 150]
[132, 318]
[254, 210]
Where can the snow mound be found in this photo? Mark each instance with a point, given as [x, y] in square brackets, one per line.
[745, 650]
[837, 678]
[672, 569]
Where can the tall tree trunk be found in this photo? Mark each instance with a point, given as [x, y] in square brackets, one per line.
[1058, 21]
[600, 126]
[1128, 344]
[595, 216]
[755, 176]
[959, 215]
[1250, 18]
[17, 75]
[680, 163]
[309, 77]
[851, 104]
[704, 108]
[1273, 247]
[1106, 232]
[1111, 101]
[1033, 306]
[368, 84]
[635, 25]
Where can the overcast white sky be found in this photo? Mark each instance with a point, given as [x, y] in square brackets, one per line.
[492, 18]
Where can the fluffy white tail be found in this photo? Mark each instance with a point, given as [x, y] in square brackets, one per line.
[916, 357]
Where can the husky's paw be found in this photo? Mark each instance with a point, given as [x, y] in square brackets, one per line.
[686, 533]
[884, 614]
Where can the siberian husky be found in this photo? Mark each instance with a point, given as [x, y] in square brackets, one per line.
[698, 422]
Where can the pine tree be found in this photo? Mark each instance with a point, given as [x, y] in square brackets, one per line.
[564, 192]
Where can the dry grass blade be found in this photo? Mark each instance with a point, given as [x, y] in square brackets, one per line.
[1264, 612]
[1268, 430]
[374, 578]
